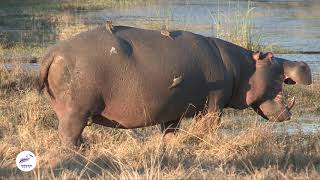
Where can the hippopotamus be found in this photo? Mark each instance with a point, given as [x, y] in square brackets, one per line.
[127, 77]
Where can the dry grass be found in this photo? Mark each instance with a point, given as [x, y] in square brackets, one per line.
[245, 148]
[234, 26]
[308, 97]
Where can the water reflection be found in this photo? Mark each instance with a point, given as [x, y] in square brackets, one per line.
[290, 24]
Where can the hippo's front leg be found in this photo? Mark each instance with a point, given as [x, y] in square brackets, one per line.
[212, 117]
[169, 129]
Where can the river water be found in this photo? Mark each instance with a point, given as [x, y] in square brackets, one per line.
[293, 25]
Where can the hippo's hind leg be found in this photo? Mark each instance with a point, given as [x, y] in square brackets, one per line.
[72, 121]
[169, 129]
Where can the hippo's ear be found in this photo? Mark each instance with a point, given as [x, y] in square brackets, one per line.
[256, 55]
[296, 73]
[269, 55]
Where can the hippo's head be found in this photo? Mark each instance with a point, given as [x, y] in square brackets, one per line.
[266, 94]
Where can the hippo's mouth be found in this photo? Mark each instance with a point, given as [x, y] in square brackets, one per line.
[281, 100]
[277, 109]
[285, 112]
[289, 81]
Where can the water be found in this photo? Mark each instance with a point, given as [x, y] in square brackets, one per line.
[29, 67]
[293, 24]
[290, 24]
[305, 124]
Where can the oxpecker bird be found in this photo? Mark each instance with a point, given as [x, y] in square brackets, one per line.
[109, 26]
[164, 32]
[176, 81]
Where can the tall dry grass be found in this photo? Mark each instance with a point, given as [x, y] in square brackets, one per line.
[235, 25]
[246, 148]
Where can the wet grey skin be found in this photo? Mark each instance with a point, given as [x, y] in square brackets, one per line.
[133, 78]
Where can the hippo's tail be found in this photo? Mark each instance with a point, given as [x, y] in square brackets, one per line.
[44, 71]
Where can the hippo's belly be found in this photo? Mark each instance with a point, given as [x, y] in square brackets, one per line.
[145, 101]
